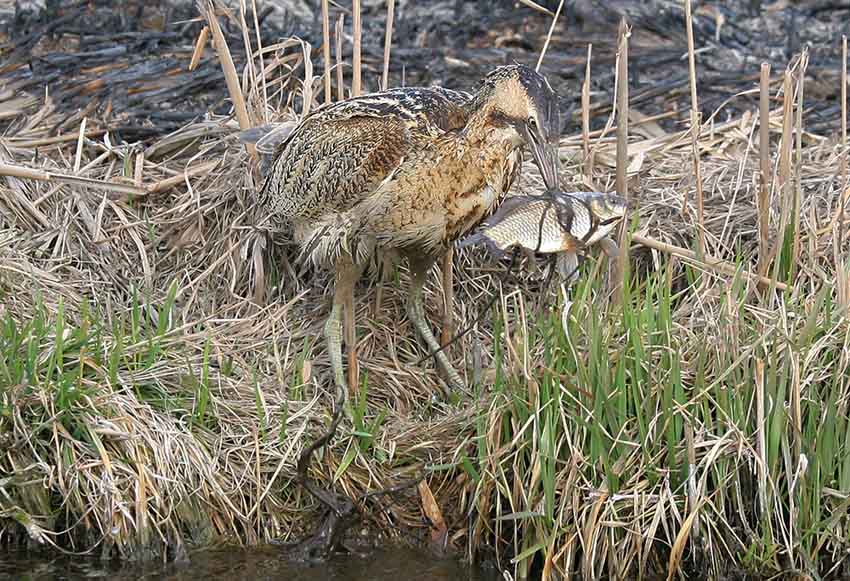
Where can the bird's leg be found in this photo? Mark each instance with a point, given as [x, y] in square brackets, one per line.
[386, 266]
[342, 512]
[345, 279]
[333, 337]
[419, 268]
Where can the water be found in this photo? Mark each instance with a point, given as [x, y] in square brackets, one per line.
[392, 564]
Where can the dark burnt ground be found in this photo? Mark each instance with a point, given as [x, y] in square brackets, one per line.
[460, 41]
[126, 63]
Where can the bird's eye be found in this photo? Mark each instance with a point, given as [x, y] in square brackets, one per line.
[532, 123]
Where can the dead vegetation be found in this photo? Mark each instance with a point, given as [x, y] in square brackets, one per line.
[160, 367]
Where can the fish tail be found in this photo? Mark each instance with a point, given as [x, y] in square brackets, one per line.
[486, 241]
[476, 238]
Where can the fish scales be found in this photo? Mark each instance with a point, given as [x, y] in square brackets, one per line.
[534, 226]
[552, 222]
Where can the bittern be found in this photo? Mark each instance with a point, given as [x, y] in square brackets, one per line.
[406, 171]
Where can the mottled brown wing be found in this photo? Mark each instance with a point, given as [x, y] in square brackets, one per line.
[341, 152]
[330, 165]
[429, 108]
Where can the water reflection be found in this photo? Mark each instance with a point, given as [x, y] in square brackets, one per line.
[395, 564]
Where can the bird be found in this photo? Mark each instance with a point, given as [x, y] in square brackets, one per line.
[405, 171]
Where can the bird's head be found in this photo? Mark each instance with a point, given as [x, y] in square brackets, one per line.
[521, 103]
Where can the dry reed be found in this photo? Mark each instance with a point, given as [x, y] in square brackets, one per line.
[585, 121]
[357, 32]
[696, 123]
[326, 51]
[764, 165]
[340, 83]
[622, 96]
[388, 40]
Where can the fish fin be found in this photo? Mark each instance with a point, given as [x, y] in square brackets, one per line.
[481, 238]
[609, 247]
[472, 239]
[254, 134]
[270, 142]
[506, 207]
[565, 214]
[568, 264]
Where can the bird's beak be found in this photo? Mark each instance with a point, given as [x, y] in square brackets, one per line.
[546, 157]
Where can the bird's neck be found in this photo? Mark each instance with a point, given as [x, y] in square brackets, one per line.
[486, 130]
[480, 115]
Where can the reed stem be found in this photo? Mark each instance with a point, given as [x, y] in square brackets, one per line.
[585, 120]
[764, 166]
[357, 32]
[388, 39]
[622, 149]
[695, 130]
[326, 50]
[340, 79]
[549, 35]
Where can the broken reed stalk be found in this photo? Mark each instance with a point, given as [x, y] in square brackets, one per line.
[20, 171]
[549, 35]
[763, 200]
[693, 487]
[58, 140]
[448, 298]
[761, 440]
[796, 412]
[585, 120]
[200, 169]
[785, 182]
[844, 103]
[78, 156]
[844, 154]
[139, 174]
[622, 97]
[798, 158]
[200, 46]
[355, 58]
[787, 131]
[388, 40]
[350, 339]
[340, 80]
[246, 42]
[695, 131]
[536, 6]
[326, 50]
[262, 62]
[708, 262]
[231, 77]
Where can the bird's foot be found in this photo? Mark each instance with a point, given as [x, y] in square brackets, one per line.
[452, 381]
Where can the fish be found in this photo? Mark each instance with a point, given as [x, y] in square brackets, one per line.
[553, 222]
[267, 139]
